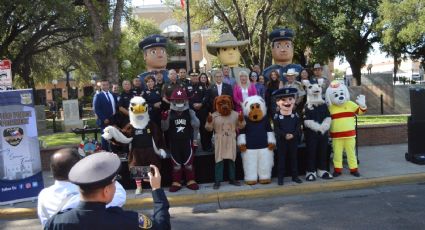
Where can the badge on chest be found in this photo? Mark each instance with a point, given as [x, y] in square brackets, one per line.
[142, 131]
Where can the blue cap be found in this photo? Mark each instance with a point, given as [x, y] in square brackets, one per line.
[281, 34]
[285, 92]
[154, 40]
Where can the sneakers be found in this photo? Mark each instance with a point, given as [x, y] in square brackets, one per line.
[297, 180]
[235, 183]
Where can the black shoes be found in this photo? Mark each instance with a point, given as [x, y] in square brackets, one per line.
[216, 185]
[297, 180]
[235, 183]
[356, 174]
[280, 182]
[336, 174]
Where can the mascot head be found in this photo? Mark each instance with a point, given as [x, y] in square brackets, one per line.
[138, 112]
[254, 108]
[285, 99]
[337, 93]
[314, 92]
[179, 101]
[223, 104]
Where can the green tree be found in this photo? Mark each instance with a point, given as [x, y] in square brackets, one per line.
[402, 23]
[30, 28]
[339, 28]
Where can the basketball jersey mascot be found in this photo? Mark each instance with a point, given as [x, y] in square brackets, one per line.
[342, 131]
[256, 142]
[183, 127]
[144, 136]
[317, 122]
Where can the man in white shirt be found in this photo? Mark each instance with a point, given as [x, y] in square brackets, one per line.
[64, 194]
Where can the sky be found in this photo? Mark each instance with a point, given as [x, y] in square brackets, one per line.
[145, 2]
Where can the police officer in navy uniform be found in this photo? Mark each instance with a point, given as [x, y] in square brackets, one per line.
[198, 102]
[96, 175]
[124, 103]
[282, 52]
[152, 95]
[287, 128]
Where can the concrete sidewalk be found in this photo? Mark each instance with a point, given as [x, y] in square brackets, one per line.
[379, 165]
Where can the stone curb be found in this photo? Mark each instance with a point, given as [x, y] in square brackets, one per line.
[180, 200]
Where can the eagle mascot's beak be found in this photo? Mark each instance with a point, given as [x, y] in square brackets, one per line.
[138, 109]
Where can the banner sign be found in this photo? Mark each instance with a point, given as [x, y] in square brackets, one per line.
[5, 74]
[20, 166]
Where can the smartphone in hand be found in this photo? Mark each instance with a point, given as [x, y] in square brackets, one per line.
[140, 172]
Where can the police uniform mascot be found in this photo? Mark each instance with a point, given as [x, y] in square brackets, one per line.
[317, 122]
[155, 56]
[256, 142]
[183, 127]
[228, 51]
[343, 131]
[282, 52]
[287, 128]
[224, 122]
[147, 145]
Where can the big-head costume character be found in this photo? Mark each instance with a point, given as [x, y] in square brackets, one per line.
[342, 131]
[224, 122]
[256, 142]
[317, 122]
[228, 51]
[145, 137]
[287, 130]
[155, 55]
[183, 128]
[282, 52]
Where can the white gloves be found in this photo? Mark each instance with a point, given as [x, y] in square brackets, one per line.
[361, 100]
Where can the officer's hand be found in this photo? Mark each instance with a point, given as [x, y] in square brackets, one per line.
[210, 118]
[155, 179]
[157, 105]
[271, 146]
[242, 148]
[289, 136]
[240, 117]
[197, 106]
[106, 122]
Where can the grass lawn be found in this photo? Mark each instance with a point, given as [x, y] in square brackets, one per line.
[59, 139]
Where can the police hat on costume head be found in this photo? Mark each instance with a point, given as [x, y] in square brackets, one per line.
[194, 73]
[155, 40]
[281, 34]
[95, 171]
[285, 92]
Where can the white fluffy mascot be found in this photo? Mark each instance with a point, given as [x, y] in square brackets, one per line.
[343, 131]
[146, 140]
[317, 122]
[256, 142]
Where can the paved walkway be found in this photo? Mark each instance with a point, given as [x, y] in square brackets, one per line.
[379, 165]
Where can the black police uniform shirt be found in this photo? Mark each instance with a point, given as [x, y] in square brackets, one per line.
[197, 93]
[287, 124]
[137, 91]
[318, 113]
[125, 99]
[94, 215]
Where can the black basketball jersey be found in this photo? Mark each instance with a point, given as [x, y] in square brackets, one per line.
[180, 127]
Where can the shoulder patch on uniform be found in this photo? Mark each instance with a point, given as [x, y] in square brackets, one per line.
[144, 222]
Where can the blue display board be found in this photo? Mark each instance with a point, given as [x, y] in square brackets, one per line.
[20, 166]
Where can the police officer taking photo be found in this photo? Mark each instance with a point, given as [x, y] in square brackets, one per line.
[96, 175]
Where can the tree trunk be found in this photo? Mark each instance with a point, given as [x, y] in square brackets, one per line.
[356, 67]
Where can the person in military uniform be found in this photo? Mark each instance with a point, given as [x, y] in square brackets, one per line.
[287, 128]
[282, 53]
[137, 87]
[155, 55]
[198, 103]
[228, 51]
[96, 175]
[152, 95]
[183, 77]
[124, 103]
[291, 74]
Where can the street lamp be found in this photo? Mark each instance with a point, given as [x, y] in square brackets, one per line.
[54, 82]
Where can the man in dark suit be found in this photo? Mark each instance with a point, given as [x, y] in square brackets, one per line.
[217, 89]
[105, 107]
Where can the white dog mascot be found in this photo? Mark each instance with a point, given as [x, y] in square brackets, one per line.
[256, 142]
[317, 122]
[342, 131]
